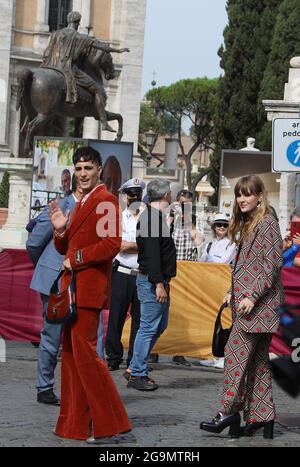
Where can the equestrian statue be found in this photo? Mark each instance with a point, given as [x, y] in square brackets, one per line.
[68, 84]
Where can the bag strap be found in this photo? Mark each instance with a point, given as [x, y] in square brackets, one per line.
[55, 289]
[222, 308]
[209, 247]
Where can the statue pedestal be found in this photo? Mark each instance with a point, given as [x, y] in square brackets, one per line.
[13, 234]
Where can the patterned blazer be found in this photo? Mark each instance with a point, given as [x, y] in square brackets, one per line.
[256, 275]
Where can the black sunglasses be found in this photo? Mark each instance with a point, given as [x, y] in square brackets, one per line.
[221, 224]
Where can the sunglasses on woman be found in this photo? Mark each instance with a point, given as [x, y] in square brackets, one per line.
[221, 224]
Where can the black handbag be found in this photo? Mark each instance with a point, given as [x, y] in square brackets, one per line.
[62, 305]
[221, 335]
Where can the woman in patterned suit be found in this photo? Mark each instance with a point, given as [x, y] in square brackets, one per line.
[255, 296]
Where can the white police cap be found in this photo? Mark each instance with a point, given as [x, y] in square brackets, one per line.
[132, 183]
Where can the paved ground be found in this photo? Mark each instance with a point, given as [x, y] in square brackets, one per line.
[168, 417]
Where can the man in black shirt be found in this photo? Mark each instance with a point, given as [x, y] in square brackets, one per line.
[157, 265]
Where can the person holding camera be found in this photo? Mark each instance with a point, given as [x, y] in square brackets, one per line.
[291, 242]
[255, 296]
[187, 238]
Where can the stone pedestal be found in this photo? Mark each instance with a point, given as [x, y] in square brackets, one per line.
[137, 167]
[171, 153]
[91, 128]
[289, 107]
[13, 234]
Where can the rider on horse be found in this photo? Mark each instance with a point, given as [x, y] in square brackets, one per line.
[65, 51]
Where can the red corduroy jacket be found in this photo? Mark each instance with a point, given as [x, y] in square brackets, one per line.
[91, 241]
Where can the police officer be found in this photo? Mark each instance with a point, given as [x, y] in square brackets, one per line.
[125, 268]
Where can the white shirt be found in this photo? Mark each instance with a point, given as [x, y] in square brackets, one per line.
[221, 251]
[85, 198]
[129, 222]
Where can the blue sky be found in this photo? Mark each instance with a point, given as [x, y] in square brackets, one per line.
[182, 38]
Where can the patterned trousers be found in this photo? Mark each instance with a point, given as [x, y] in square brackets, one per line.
[247, 376]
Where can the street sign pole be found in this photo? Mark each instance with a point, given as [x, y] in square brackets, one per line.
[297, 186]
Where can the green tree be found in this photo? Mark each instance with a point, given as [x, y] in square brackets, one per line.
[244, 55]
[4, 191]
[192, 100]
[285, 44]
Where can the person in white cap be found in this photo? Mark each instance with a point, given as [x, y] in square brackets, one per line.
[125, 267]
[221, 250]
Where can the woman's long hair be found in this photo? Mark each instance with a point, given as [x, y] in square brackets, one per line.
[243, 224]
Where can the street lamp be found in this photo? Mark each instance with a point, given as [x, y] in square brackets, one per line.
[150, 141]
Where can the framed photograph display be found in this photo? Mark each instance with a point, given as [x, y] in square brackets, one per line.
[53, 167]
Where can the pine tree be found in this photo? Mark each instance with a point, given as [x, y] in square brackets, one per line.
[4, 191]
[244, 55]
[285, 45]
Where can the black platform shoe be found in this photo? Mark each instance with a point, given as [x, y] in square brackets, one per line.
[251, 428]
[221, 421]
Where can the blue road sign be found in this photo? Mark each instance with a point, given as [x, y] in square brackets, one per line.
[293, 153]
[286, 145]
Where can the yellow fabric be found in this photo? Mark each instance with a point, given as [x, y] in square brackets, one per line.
[197, 293]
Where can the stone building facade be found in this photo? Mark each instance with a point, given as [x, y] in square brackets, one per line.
[24, 32]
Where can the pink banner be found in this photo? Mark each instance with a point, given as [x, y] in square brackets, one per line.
[21, 307]
[291, 283]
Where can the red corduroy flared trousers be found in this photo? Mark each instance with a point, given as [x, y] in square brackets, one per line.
[90, 402]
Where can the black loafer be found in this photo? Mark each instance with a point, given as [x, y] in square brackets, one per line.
[251, 428]
[48, 397]
[113, 366]
[142, 383]
[221, 421]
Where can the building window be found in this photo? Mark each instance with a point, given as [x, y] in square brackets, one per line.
[58, 12]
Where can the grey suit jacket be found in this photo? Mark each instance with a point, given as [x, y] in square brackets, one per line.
[41, 249]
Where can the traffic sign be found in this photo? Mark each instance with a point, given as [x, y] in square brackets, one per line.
[286, 145]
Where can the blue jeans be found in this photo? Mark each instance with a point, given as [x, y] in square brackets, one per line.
[154, 320]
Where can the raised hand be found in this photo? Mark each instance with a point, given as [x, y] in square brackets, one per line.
[58, 218]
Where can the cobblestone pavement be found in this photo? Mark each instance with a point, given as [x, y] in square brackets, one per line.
[168, 417]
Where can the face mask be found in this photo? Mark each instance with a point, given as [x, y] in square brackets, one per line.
[134, 199]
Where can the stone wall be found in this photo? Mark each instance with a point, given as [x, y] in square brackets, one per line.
[6, 19]
[101, 18]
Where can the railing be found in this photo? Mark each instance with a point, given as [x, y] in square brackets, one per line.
[39, 202]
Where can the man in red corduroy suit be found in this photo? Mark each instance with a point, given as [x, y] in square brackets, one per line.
[90, 404]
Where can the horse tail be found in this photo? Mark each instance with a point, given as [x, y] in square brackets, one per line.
[25, 78]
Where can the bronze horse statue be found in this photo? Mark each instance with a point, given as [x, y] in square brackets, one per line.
[42, 94]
